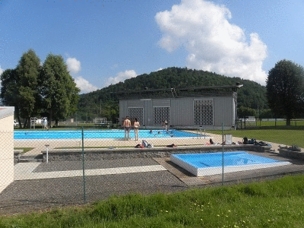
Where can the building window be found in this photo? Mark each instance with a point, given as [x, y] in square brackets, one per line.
[137, 113]
[203, 112]
[161, 114]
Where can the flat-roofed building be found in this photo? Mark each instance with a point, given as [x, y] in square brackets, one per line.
[211, 107]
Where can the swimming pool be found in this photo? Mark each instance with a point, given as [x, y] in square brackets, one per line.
[206, 164]
[101, 134]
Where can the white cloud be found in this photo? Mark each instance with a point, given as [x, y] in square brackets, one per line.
[84, 85]
[120, 77]
[212, 42]
[74, 65]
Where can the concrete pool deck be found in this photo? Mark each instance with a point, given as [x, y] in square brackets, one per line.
[23, 170]
[63, 169]
[26, 171]
[40, 145]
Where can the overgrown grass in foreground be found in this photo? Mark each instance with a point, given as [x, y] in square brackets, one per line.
[277, 203]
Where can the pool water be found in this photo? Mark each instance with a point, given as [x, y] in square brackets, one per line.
[205, 164]
[100, 134]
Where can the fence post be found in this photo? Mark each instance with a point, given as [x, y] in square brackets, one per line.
[47, 153]
[223, 162]
[83, 167]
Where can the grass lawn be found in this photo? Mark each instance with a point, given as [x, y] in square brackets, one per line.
[280, 136]
[276, 203]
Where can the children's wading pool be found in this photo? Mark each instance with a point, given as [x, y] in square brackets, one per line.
[206, 164]
[102, 134]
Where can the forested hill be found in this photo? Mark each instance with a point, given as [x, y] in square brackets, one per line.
[103, 103]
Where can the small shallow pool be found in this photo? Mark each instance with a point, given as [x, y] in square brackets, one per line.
[101, 134]
[206, 164]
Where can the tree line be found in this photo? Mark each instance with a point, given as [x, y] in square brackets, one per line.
[285, 90]
[282, 97]
[46, 90]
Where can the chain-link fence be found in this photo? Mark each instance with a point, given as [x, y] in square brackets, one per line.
[80, 165]
[253, 123]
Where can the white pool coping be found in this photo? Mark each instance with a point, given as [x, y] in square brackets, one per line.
[209, 171]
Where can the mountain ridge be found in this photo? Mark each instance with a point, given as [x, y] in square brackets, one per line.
[103, 102]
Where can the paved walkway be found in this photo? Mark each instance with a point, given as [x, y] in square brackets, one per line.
[40, 186]
[25, 171]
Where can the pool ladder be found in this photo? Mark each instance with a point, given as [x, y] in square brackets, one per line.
[201, 133]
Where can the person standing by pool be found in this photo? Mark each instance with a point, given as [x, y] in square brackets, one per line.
[166, 125]
[45, 123]
[127, 126]
[136, 126]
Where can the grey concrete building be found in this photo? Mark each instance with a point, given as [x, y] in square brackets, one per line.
[192, 108]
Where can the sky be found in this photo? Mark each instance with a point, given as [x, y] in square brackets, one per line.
[104, 42]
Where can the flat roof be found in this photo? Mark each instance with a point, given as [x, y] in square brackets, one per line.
[226, 90]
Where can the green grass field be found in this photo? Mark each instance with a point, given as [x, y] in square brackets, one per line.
[280, 136]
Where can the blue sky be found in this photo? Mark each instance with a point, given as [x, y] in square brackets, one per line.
[107, 41]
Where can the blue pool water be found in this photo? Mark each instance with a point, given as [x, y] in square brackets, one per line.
[95, 134]
[230, 158]
[203, 164]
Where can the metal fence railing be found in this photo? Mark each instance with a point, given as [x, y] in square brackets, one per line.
[267, 123]
[80, 165]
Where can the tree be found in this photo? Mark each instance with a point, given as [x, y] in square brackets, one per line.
[9, 90]
[27, 73]
[58, 89]
[245, 111]
[285, 87]
[266, 114]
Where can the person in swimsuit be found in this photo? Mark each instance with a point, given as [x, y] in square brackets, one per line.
[166, 125]
[136, 125]
[127, 127]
